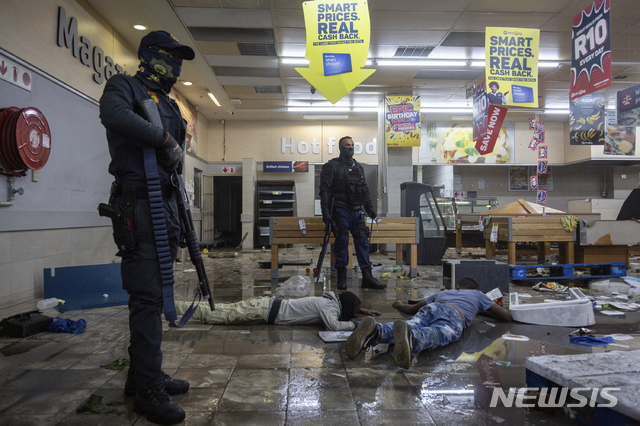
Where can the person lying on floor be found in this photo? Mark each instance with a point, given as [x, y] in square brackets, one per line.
[335, 311]
[437, 321]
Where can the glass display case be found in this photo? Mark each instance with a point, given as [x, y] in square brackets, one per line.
[418, 200]
[452, 206]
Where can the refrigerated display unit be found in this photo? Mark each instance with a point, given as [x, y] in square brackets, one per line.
[418, 200]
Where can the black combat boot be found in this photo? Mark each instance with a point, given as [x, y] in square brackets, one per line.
[157, 406]
[342, 278]
[369, 282]
[171, 386]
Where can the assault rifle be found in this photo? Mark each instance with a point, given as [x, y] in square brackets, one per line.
[325, 242]
[149, 111]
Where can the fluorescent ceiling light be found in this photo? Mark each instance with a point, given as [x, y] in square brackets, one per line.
[294, 61]
[365, 109]
[548, 64]
[317, 109]
[325, 117]
[447, 110]
[478, 63]
[556, 111]
[140, 27]
[213, 98]
[418, 63]
[303, 61]
[187, 83]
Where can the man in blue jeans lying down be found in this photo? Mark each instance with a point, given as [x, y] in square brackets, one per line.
[438, 320]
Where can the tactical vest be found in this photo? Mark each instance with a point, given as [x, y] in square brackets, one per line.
[356, 188]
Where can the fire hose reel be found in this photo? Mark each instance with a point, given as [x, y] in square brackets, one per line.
[25, 140]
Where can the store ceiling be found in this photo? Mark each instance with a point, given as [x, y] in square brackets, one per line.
[240, 44]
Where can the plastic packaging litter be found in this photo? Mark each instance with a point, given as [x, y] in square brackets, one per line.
[52, 302]
[296, 286]
[390, 268]
[592, 341]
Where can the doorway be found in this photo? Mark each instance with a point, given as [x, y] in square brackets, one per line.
[227, 207]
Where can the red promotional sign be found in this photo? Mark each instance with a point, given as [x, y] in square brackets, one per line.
[591, 50]
[493, 123]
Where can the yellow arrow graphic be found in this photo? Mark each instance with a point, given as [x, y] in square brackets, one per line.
[338, 35]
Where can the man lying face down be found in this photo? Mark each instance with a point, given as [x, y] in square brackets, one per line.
[335, 311]
[438, 320]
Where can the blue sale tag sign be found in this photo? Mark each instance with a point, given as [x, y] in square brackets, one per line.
[336, 63]
[521, 94]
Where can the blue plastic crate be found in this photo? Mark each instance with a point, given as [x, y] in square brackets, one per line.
[567, 272]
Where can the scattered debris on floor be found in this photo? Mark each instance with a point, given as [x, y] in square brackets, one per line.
[118, 364]
[94, 405]
[61, 325]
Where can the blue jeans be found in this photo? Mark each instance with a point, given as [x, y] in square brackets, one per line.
[351, 221]
[435, 325]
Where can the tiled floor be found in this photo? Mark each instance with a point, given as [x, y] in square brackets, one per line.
[272, 375]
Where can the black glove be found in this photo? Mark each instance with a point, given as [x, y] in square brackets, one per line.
[372, 214]
[329, 221]
[170, 153]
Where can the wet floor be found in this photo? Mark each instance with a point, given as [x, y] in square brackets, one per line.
[277, 375]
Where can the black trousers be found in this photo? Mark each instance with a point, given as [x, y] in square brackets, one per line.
[141, 278]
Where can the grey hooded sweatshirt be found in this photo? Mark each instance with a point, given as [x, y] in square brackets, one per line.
[313, 310]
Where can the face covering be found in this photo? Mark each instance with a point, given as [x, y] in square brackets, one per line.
[346, 153]
[160, 67]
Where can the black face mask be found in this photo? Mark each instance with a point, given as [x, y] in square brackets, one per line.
[346, 153]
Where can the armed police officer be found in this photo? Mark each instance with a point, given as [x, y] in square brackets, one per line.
[161, 57]
[343, 180]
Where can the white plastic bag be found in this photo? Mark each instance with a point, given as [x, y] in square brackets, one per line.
[296, 286]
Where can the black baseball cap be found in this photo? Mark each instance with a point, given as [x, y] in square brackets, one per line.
[167, 41]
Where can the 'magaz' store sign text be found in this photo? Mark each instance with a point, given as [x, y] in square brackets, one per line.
[303, 147]
[94, 57]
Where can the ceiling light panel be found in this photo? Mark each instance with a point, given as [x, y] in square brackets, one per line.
[225, 18]
[237, 35]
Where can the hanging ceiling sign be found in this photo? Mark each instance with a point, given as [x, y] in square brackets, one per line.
[402, 120]
[591, 50]
[512, 66]
[338, 34]
[586, 120]
[487, 122]
[628, 106]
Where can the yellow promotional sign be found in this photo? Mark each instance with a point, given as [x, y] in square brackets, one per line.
[338, 34]
[512, 66]
[402, 120]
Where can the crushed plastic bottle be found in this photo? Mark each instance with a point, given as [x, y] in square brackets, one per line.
[394, 268]
[296, 286]
[52, 302]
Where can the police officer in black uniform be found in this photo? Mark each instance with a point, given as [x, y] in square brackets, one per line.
[128, 134]
[343, 180]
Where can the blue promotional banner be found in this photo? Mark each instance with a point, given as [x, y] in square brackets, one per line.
[628, 106]
[591, 50]
[285, 166]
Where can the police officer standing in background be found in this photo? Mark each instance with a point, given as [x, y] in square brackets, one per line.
[128, 134]
[343, 180]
